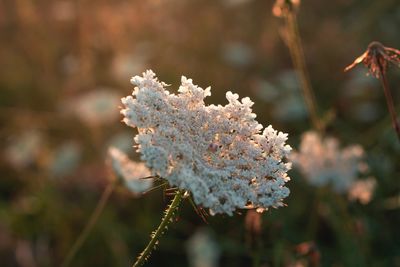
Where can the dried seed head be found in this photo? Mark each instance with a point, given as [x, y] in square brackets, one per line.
[376, 59]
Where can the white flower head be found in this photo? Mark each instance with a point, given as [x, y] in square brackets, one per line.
[218, 153]
[130, 171]
[323, 162]
[65, 159]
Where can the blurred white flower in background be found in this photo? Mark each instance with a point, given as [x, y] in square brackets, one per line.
[218, 153]
[323, 162]
[290, 97]
[121, 141]
[70, 65]
[63, 11]
[362, 190]
[96, 107]
[130, 171]
[124, 64]
[288, 80]
[24, 253]
[24, 149]
[294, 109]
[202, 249]
[265, 90]
[65, 159]
[234, 3]
[362, 93]
[237, 54]
[283, 92]
[365, 111]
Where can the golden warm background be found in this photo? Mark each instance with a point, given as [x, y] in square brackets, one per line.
[65, 64]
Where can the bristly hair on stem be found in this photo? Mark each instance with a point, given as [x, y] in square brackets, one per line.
[377, 58]
[287, 10]
[169, 215]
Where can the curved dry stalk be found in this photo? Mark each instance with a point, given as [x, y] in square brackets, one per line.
[89, 226]
[288, 12]
[390, 105]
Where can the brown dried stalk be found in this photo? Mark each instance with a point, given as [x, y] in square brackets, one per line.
[287, 10]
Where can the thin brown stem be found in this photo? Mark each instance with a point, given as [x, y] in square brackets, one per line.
[297, 54]
[89, 226]
[314, 212]
[389, 102]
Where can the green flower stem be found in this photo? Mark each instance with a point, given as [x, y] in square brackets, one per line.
[297, 54]
[314, 212]
[166, 220]
[256, 257]
[89, 226]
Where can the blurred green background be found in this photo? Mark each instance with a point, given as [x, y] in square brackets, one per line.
[65, 65]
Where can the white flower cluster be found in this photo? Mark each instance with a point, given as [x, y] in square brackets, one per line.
[323, 162]
[215, 152]
[130, 172]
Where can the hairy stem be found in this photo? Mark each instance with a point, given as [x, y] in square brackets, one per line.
[389, 102]
[166, 220]
[89, 226]
[298, 58]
